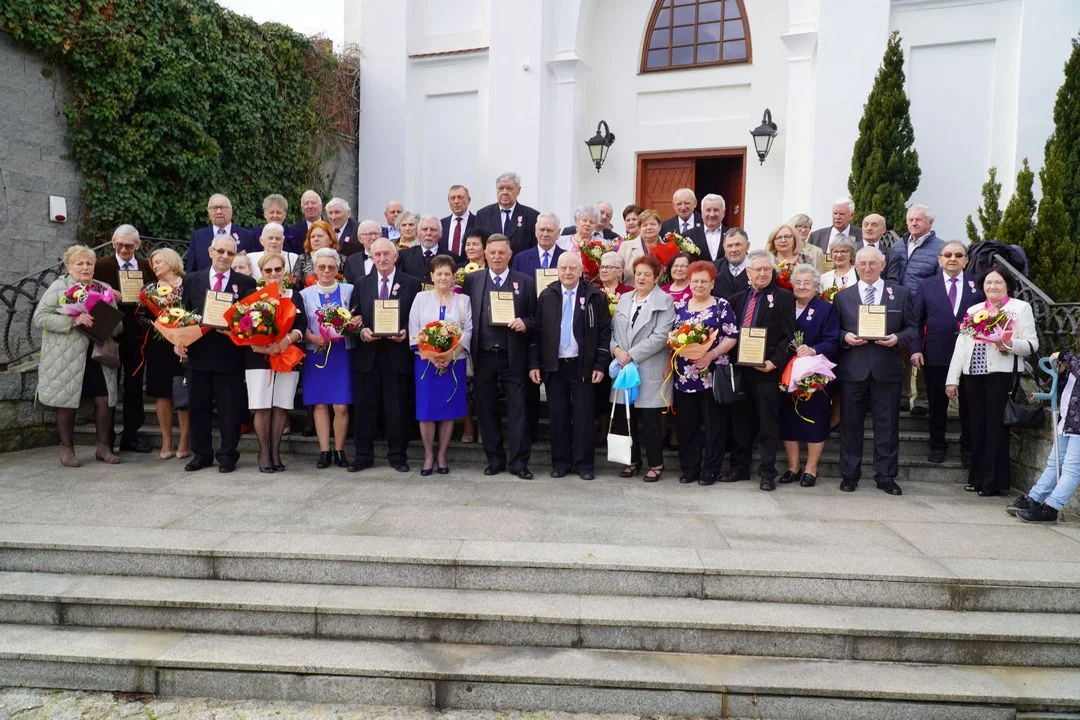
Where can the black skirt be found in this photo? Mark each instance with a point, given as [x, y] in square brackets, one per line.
[93, 382]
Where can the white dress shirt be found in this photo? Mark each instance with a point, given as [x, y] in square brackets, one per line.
[389, 283]
[132, 264]
[959, 290]
[224, 281]
[879, 292]
[715, 240]
[504, 278]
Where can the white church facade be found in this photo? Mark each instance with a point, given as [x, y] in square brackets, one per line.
[459, 91]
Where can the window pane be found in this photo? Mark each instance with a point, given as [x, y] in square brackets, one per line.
[731, 10]
[659, 39]
[682, 36]
[684, 2]
[663, 19]
[684, 15]
[656, 59]
[708, 32]
[682, 55]
[708, 53]
[708, 12]
[735, 50]
[733, 30]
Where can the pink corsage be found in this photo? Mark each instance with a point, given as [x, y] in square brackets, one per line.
[236, 237]
[971, 284]
[515, 288]
[519, 220]
[581, 301]
[235, 289]
[397, 286]
[810, 314]
[889, 291]
[769, 297]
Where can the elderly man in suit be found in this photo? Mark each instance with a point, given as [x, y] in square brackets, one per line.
[416, 261]
[311, 207]
[339, 214]
[545, 256]
[873, 234]
[731, 276]
[762, 305]
[570, 352]
[126, 242]
[606, 213]
[393, 209]
[216, 364]
[843, 209]
[871, 371]
[382, 365]
[460, 218]
[709, 235]
[220, 210]
[500, 355]
[939, 308]
[507, 216]
[360, 263]
[686, 216]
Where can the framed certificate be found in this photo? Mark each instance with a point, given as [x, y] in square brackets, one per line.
[131, 284]
[502, 307]
[872, 325]
[385, 321]
[214, 308]
[751, 347]
[545, 278]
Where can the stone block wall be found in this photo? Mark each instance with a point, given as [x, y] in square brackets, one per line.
[23, 422]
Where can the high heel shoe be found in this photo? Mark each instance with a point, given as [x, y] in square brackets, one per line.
[630, 470]
[442, 469]
[67, 457]
[340, 460]
[105, 454]
[324, 460]
[426, 471]
[654, 474]
[266, 468]
[277, 465]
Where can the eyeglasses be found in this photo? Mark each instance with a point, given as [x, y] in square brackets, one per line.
[124, 246]
[369, 234]
[219, 207]
[226, 253]
[959, 256]
[786, 236]
[610, 267]
[272, 271]
[803, 283]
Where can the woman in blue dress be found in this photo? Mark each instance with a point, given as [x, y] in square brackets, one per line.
[441, 386]
[808, 421]
[327, 379]
[695, 408]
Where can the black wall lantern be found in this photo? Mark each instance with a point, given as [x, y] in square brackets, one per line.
[599, 144]
[764, 134]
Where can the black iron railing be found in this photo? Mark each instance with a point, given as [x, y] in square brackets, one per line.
[18, 339]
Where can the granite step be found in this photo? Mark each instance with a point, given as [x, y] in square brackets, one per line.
[477, 676]
[682, 625]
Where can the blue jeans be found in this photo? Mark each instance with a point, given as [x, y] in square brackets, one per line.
[1049, 489]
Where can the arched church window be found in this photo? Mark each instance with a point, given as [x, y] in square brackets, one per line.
[690, 33]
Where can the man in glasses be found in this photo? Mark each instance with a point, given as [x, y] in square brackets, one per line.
[220, 210]
[939, 308]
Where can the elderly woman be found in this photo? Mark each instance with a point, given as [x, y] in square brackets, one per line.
[275, 208]
[241, 263]
[991, 368]
[407, 223]
[639, 335]
[649, 227]
[678, 269]
[586, 220]
[782, 245]
[843, 275]
[319, 235]
[630, 216]
[808, 421]
[273, 242]
[610, 277]
[695, 408]
[162, 364]
[66, 372]
[326, 376]
[802, 224]
[440, 384]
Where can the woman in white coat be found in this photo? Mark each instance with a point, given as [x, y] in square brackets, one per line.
[989, 369]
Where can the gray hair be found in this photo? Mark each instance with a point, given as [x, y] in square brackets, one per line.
[845, 201]
[406, 214]
[548, 216]
[681, 191]
[338, 202]
[368, 226]
[961, 243]
[127, 231]
[275, 199]
[272, 226]
[432, 218]
[587, 211]
[511, 176]
[925, 211]
[757, 255]
[612, 258]
[713, 197]
[843, 242]
[806, 268]
[570, 257]
[311, 192]
[325, 252]
[218, 195]
[867, 250]
[739, 233]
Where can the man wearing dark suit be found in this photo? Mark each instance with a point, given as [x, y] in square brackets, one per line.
[382, 366]
[762, 305]
[871, 372]
[339, 215]
[509, 217]
[731, 268]
[939, 308]
[842, 211]
[709, 235]
[126, 242]
[216, 364]
[570, 352]
[460, 221]
[873, 234]
[545, 255]
[393, 209]
[686, 216]
[221, 225]
[416, 261]
[501, 358]
[359, 263]
[311, 207]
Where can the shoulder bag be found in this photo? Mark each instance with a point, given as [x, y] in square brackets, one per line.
[1019, 413]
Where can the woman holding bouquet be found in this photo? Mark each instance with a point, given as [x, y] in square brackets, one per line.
[695, 407]
[326, 377]
[441, 390]
[994, 335]
[808, 421]
[319, 235]
[162, 363]
[630, 250]
[66, 372]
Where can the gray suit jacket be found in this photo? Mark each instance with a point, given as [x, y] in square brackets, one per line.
[821, 236]
[646, 341]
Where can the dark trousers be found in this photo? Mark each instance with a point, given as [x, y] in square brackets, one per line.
[758, 422]
[938, 403]
[532, 409]
[700, 422]
[491, 370]
[990, 470]
[225, 390]
[882, 400]
[381, 392]
[644, 430]
[571, 404]
[131, 358]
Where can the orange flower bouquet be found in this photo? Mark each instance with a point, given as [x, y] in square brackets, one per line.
[262, 319]
[179, 326]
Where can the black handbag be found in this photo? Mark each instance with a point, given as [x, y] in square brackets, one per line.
[1019, 413]
[106, 353]
[180, 392]
[727, 385]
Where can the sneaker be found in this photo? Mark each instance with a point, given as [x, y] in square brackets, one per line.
[1042, 514]
[1022, 503]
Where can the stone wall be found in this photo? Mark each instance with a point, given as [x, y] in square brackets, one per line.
[342, 173]
[23, 423]
[33, 163]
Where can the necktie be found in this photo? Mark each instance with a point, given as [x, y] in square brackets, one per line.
[751, 306]
[130, 266]
[952, 293]
[220, 282]
[220, 231]
[544, 261]
[685, 225]
[498, 282]
[734, 270]
[567, 319]
[384, 292]
[868, 296]
[456, 249]
[506, 223]
[428, 254]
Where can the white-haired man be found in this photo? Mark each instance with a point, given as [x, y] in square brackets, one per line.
[311, 207]
[393, 209]
[507, 216]
[684, 201]
[220, 210]
[416, 261]
[709, 235]
[339, 214]
[843, 209]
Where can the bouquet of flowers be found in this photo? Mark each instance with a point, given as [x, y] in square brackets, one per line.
[310, 280]
[254, 319]
[439, 341]
[671, 245]
[783, 274]
[288, 281]
[987, 325]
[612, 301]
[82, 297]
[804, 376]
[179, 326]
[336, 321]
[459, 276]
[591, 254]
[157, 297]
[262, 319]
[829, 293]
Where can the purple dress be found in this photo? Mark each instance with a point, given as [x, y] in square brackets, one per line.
[718, 316]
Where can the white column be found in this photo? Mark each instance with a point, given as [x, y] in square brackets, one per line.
[798, 126]
[566, 141]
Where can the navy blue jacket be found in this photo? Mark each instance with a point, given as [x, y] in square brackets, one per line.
[938, 325]
[528, 261]
[820, 326]
[198, 256]
[910, 272]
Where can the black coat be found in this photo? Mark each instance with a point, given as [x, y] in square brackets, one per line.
[592, 330]
[727, 285]
[697, 234]
[412, 262]
[107, 270]
[215, 352]
[875, 361]
[936, 324]
[522, 224]
[477, 285]
[395, 356]
[777, 317]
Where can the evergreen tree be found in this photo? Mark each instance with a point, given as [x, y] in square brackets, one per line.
[1018, 221]
[884, 164]
[1053, 254]
[1067, 135]
[989, 212]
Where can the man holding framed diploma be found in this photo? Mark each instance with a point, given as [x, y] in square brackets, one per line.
[766, 315]
[877, 322]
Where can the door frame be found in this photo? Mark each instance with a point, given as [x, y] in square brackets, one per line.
[703, 154]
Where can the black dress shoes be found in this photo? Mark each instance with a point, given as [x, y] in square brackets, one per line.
[135, 445]
[808, 480]
[587, 475]
[323, 461]
[525, 474]
[789, 477]
[687, 480]
[889, 486]
[489, 470]
[558, 473]
[848, 485]
[357, 466]
[970, 488]
[988, 493]
[936, 456]
[402, 468]
[919, 411]
[198, 463]
[340, 460]
[767, 484]
[227, 468]
[727, 477]
[705, 480]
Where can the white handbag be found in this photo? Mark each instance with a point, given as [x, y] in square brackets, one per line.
[618, 446]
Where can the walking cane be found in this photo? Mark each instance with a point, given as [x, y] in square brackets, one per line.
[1049, 366]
